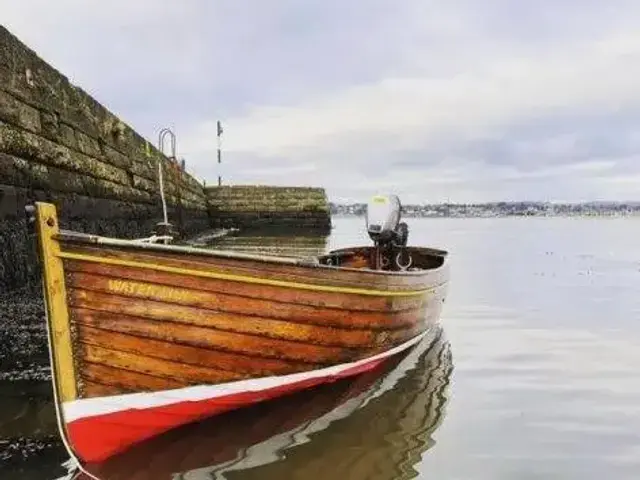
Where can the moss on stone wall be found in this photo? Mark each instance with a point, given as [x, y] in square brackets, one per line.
[47, 120]
[263, 206]
[58, 144]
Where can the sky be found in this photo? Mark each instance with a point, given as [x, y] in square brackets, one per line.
[449, 100]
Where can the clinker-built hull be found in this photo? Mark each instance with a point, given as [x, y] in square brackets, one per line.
[146, 337]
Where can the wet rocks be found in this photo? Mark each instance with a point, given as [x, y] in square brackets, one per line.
[23, 339]
[28, 428]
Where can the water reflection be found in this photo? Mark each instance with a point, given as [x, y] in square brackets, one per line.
[374, 426]
[273, 242]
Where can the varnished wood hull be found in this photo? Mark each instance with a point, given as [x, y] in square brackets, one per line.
[148, 337]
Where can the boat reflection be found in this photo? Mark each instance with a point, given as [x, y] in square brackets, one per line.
[374, 426]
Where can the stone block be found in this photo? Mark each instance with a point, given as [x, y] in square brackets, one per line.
[8, 202]
[90, 146]
[100, 188]
[32, 147]
[19, 114]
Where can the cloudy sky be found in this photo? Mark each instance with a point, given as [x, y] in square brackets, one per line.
[448, 100]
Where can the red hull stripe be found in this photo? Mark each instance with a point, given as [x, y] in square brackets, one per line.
[98, 428]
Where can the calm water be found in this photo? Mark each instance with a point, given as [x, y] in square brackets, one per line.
[544, 324]
[535, 375]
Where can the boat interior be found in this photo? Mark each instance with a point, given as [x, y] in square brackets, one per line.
[395, 260]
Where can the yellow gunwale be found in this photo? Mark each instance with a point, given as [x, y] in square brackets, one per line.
[247, 279]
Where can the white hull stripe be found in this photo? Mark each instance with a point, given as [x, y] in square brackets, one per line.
[89, 407]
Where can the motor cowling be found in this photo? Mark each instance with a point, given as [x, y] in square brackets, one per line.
[383, 221]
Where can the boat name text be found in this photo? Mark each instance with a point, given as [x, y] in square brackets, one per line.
[148, 290]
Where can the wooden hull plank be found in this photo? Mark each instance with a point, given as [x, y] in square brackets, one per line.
[204, 356]
[124, 380]
[194, 304]
[156, 367]
[341, 301]
[219, 340]
[91, 389]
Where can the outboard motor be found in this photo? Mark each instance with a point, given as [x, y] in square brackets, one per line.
[385, 229]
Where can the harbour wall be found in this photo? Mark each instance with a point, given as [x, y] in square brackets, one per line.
[58, 144]
[263, 206]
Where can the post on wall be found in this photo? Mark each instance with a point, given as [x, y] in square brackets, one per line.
[219, 132]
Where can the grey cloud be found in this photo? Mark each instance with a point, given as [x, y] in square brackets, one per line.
[189, 62]
[563, 139]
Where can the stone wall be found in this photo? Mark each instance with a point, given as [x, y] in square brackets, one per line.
[251, 206]
[60, 145]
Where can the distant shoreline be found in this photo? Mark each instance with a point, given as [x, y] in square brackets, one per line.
[502, 209]
[597, 215]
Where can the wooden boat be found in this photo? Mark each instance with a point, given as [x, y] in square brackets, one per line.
[145, 337]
